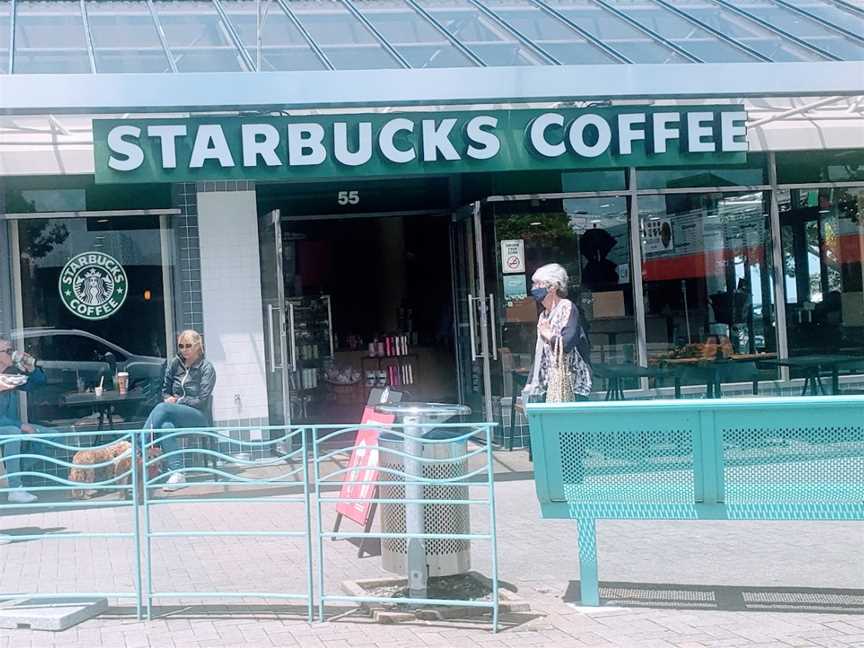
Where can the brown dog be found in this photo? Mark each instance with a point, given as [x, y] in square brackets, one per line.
[87, 475]
[123, 466]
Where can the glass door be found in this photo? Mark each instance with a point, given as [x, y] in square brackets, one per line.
[281, 359]
[475, 346]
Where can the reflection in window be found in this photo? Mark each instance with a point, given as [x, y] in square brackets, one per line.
[707, 283]
[590, 238]
[76, 353]
[822, 243]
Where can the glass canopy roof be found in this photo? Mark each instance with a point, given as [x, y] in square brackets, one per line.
[111, 36]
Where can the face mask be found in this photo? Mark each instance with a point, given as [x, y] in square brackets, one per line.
[539, 294]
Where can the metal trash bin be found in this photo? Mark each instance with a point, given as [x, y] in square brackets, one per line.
[416, 556]
[444, 557]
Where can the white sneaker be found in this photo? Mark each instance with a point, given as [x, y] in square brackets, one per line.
[21, 496]
[175, 482]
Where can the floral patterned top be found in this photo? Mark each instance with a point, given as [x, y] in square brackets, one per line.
[566, 325]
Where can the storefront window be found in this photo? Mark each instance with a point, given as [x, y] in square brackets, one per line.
[605, 180]
[708, 289]
[823, 241]
[801, 167]
[590, 238]
[88, 318]
[754, 172]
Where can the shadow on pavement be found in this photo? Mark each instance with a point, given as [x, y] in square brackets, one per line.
[725, 598]
[28, 531]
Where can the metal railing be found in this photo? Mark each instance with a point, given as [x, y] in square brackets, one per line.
[394, 471]
[250, 467]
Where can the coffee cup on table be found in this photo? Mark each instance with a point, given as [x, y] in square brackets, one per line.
[122, 382]
[98, 391]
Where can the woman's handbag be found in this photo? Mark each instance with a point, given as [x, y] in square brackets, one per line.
[559, 389]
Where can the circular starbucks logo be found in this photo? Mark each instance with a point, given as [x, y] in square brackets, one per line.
[93, 285]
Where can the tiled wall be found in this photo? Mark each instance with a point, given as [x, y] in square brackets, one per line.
[231, 300]
[187, 260]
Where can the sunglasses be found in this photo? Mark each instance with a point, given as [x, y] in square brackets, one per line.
[185, 346]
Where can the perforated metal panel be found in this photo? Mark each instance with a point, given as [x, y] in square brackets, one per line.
[443, 556]
[814, 464]
[628, 466]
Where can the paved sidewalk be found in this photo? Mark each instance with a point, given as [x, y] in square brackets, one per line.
[685, 584]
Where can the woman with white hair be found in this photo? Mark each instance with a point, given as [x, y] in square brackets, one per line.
[559, 323]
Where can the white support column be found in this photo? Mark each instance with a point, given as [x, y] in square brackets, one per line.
[231, 303]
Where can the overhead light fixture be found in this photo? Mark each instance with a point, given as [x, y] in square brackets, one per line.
[102, 220]
[536, 224]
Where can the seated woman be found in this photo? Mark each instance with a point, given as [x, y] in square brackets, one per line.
[187, 388]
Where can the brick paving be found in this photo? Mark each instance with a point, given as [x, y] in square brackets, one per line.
[688, 584]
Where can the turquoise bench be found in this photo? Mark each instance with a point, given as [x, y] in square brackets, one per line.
[736, 459]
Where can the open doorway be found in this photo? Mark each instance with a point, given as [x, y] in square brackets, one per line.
[371, 306]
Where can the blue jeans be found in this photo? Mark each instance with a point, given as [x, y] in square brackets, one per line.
[12, 464]
[167, 416]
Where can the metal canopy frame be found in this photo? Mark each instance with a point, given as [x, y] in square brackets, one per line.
[540, 56]
[711, 30]
[777, 30]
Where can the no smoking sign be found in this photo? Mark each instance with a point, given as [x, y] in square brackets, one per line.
[513, 256]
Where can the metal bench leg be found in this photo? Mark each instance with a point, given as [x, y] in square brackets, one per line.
[588, 586]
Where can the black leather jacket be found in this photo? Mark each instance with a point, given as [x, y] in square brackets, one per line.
[192, 386]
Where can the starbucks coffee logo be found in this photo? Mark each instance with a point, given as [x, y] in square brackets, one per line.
[93, 285]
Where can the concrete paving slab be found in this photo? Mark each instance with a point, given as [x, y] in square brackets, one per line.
[55, 614]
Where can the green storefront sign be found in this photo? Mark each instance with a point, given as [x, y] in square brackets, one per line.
[415, 143]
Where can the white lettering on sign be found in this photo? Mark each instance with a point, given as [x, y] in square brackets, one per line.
[436, 138]
[661, 133]
[364, 144]
[210, 144]
[306, 144]
[387, 145]
[265, 147]
[426, 141]
[733, 131]
[537, 133]
[697, 130]
[167, 135]
[133, 156]
[484, 143]
[348, 197]
[577, 135]
[627, 134]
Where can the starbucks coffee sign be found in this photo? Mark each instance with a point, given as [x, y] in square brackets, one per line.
[417, 143]
[93, 285]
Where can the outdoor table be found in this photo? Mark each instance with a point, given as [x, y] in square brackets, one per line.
[101, 405]
[616, 374]
[813, 366]
[711, 370]
[413, 416]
